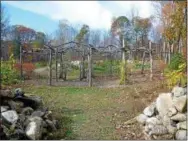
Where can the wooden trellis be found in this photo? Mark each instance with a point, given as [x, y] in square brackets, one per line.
[89, 50]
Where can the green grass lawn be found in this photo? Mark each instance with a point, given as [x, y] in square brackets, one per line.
[88, 113]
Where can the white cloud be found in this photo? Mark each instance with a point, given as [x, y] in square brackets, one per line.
[93, 13]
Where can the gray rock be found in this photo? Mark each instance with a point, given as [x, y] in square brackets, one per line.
[27, 111]
[142, 118]
[22, 118]
[150, 110]
[150, 126]
[17, 106]
[158, 130]
[6, 94]
[51, 125]
[20, 133]
[172, 111]
[178, 91]
[38, 114]
[158, 117]
[56, 123]
[44, 124]
[164, 137]
[4, 108]
[171, 129]
[10, 116]
[17, 135]
[182, 125]
[154, 121]
[180, 103]
[48, 115]
[179, 117]
[147, 129]
[34, 128]
[18, 92]
[163, 103]
[166, 120]
[181, 135]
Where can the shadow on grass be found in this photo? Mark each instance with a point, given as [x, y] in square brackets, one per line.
[66, 122]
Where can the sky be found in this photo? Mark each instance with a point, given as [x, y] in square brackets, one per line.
[44, 15]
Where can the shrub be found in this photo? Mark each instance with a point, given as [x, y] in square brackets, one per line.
[9, 75]
[176, 72]
[27, 68]
[175, 61]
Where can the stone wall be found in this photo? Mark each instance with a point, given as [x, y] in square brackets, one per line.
[166, 118]
[24, 117]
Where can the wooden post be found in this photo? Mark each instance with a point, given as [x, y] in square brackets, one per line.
[90, 66]
[151, 61]
[56, 64]
[61, 66]
[110, 64]
[123, 61]
[83, 65]
[21, 66]
[143, 61]
[165, 53]
[81, 70]
[50, 68]
[172, 48]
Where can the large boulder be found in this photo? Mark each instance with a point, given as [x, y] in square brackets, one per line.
[181, 135]
[34, 128]
[163, 103]
[178, 91]
[180, 103]
[10, 116]
[179, 117]
[150, 110]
